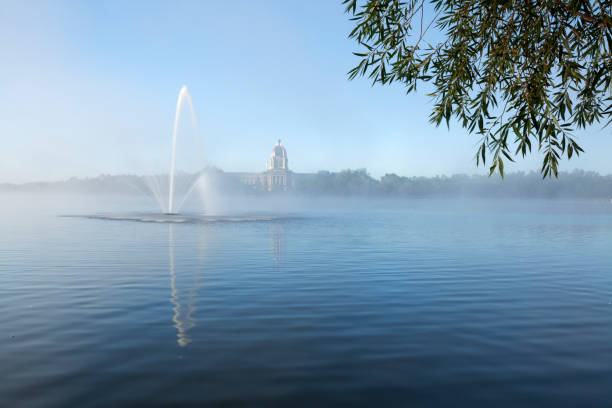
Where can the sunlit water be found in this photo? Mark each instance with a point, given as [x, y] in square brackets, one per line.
[412, 303]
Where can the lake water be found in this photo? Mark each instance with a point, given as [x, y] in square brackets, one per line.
[378, 303]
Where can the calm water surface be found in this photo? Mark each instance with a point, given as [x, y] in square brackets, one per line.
[413, 303]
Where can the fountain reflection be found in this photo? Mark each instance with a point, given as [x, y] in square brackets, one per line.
[186, 277]
[183, 305]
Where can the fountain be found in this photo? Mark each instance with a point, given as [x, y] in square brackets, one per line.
[183, 95]
[157, 183]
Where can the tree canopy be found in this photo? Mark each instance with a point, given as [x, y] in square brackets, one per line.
[519, 73]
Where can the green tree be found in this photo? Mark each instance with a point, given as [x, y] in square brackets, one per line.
[516, 72]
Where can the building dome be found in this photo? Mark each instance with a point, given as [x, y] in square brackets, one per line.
[278, 158]
[280, 151]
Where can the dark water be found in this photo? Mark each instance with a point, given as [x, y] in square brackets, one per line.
[418, 303]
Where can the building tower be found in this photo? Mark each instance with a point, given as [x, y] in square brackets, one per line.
[278, 169]
[278, 158]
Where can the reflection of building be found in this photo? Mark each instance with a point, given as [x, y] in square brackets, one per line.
[278, 177]
[277, 236]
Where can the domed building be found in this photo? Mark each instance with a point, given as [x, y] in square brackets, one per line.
[278, 169]
[277, 177]
[278, 158]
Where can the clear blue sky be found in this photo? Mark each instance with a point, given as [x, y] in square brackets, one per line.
[89, 87]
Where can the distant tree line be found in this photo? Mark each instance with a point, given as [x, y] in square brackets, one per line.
[358, 183]
[576, 184]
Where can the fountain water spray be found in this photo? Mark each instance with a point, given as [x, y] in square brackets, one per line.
[183, 96]
[178, 187]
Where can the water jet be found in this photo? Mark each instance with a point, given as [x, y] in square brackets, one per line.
[157, 183]
[183, 95]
